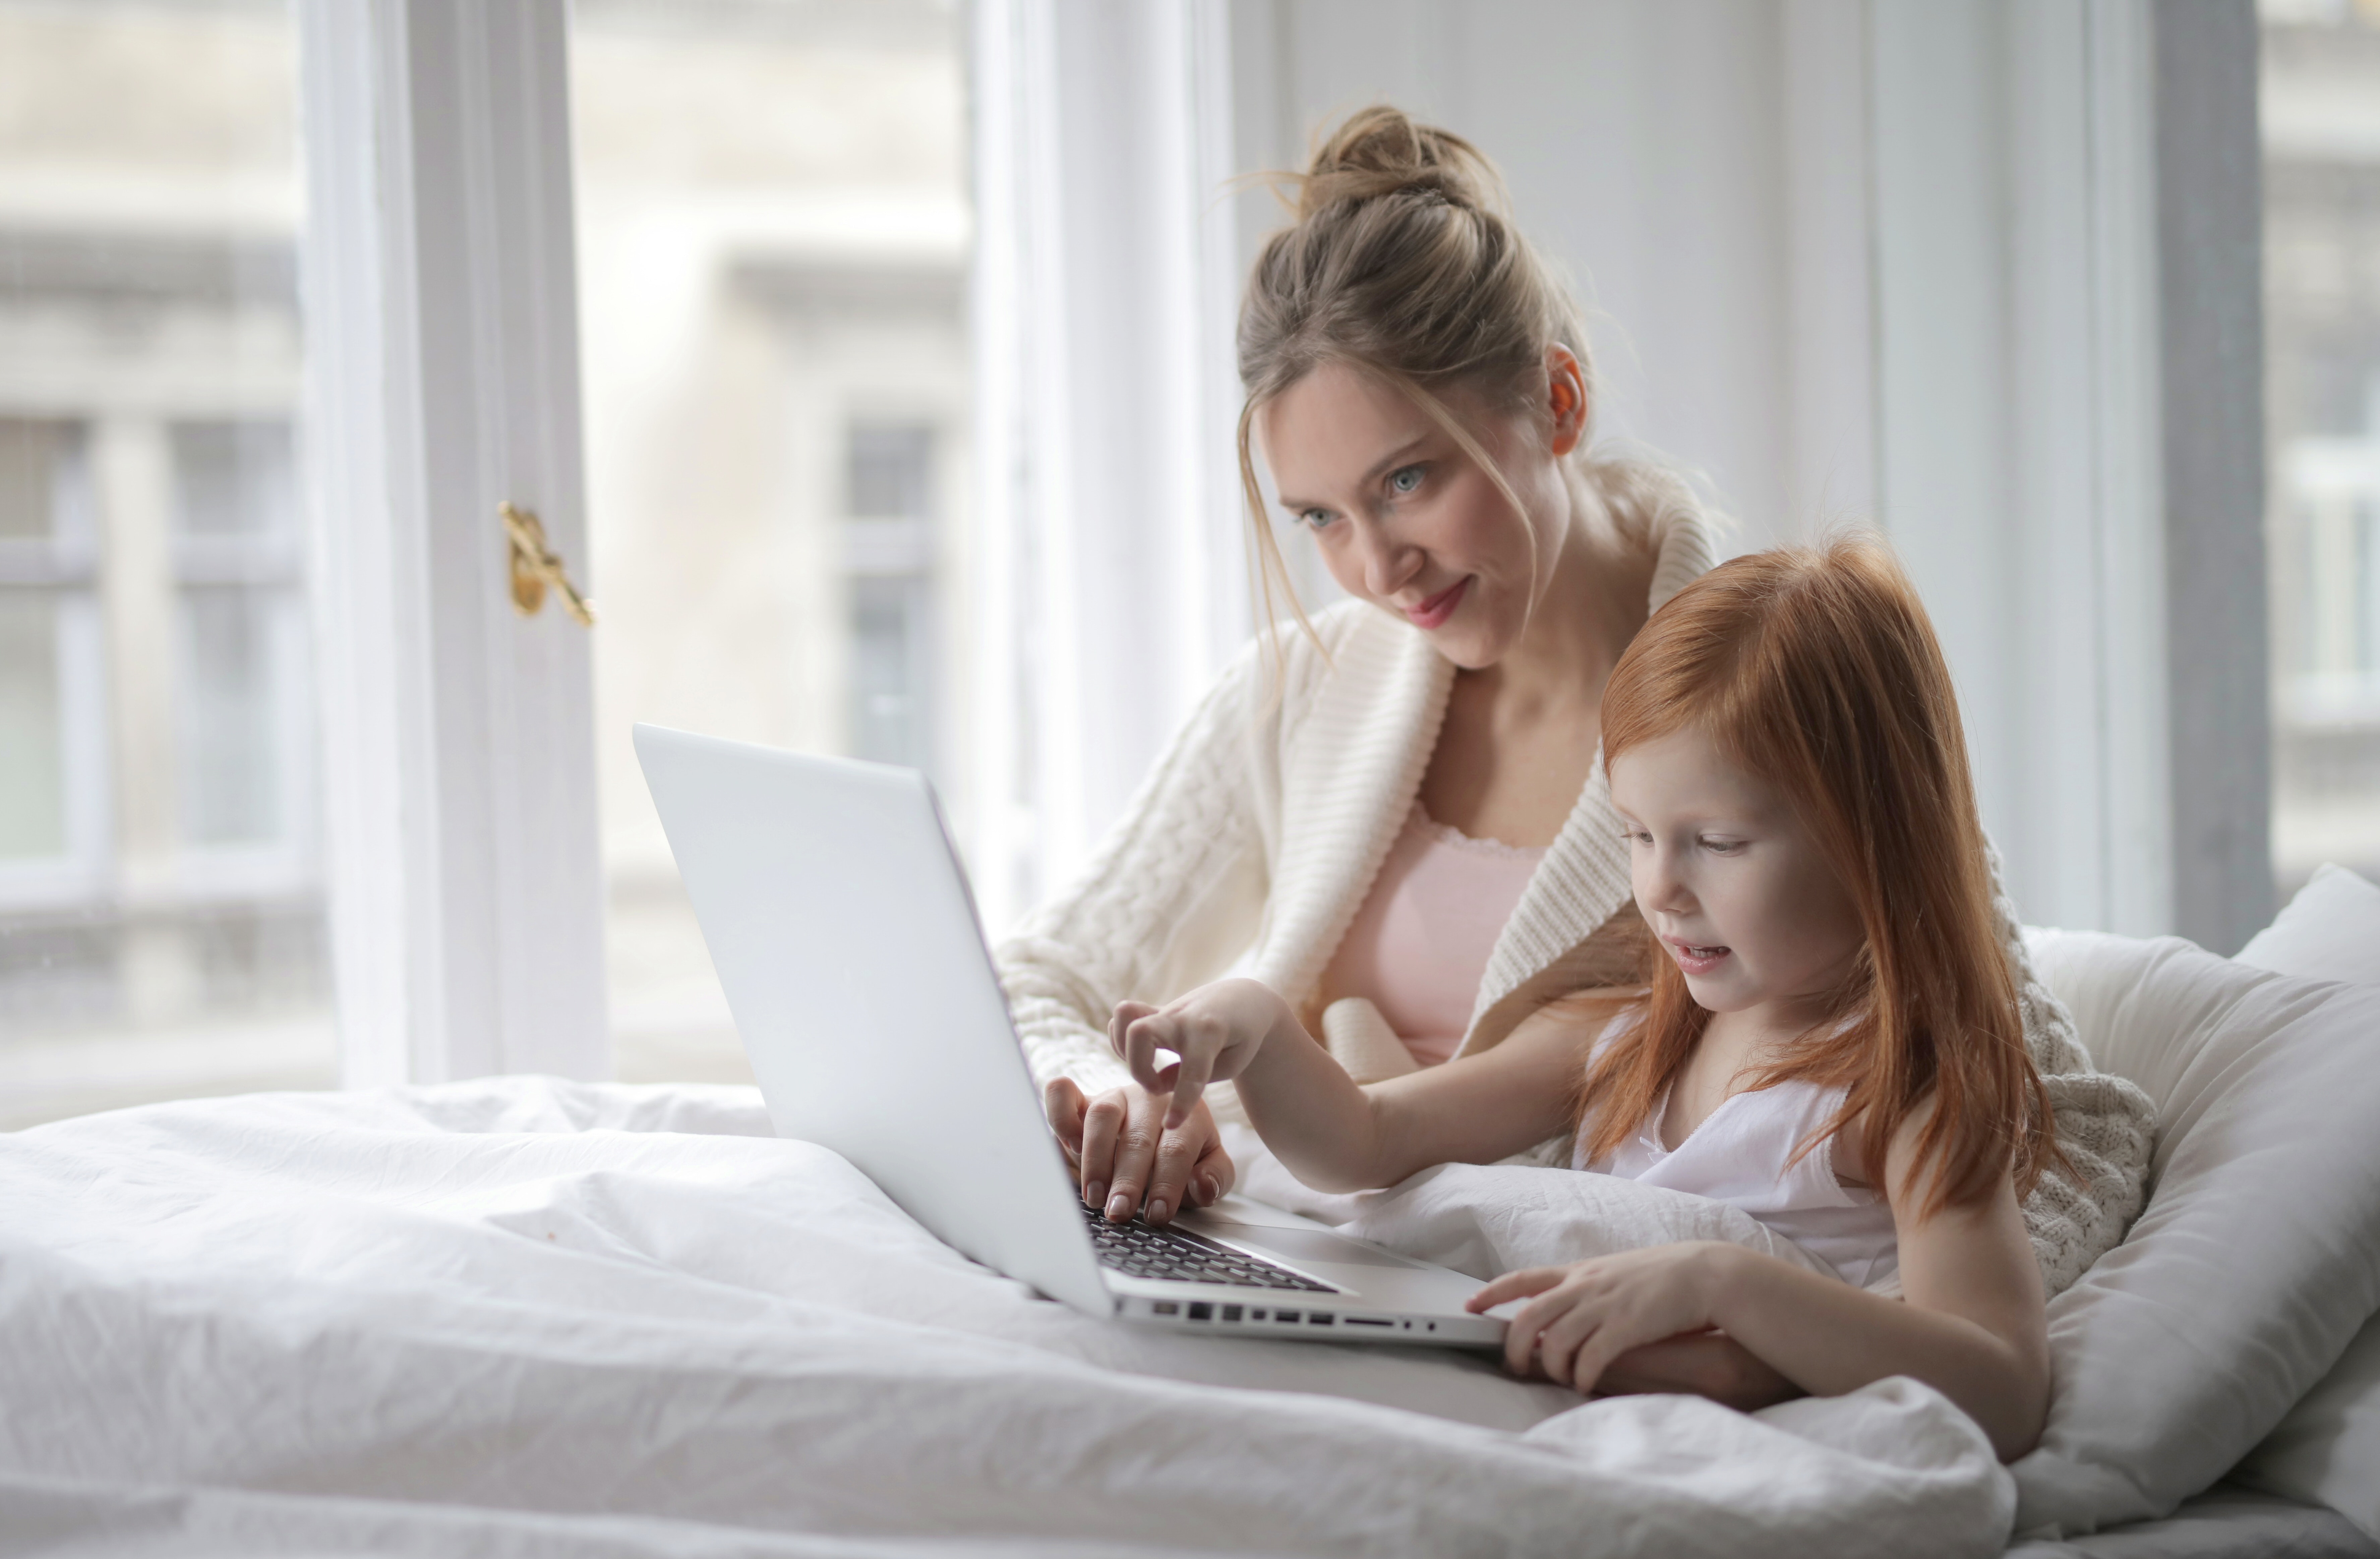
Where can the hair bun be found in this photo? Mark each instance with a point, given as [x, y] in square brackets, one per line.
[1382, 150]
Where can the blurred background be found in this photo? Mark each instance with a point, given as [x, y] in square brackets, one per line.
[775, 242]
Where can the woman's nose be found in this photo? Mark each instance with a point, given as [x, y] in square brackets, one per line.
[1389, 561]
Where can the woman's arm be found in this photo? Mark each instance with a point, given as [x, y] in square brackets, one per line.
[1332, 1134]
[1973, 1326]
[1175, 891]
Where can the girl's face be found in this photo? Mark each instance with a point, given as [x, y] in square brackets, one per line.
[1408, 521]
[1731, 882]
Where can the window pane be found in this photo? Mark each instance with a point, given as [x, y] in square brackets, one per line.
[230, 792]
[31, 453]
[32, 778]
[161, 918]
[234, 480]
[2321, 109]
[772, 245]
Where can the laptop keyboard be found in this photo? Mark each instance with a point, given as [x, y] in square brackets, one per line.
[1142, 1250]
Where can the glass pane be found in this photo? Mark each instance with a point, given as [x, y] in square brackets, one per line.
[234, 480]
[30, 457]
[170, 940]
[230, 791]
[33, 776]
[892, 472]
[891, 621]
[2321, 110]
[772, 245]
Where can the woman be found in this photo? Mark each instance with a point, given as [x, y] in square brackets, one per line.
[1395, 816]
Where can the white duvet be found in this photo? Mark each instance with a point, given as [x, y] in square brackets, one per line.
[522, 1317]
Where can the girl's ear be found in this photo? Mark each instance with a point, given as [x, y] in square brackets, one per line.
[1566, 397]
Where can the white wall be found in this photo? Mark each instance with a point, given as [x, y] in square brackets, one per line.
[1859, 264]
[1853, 263]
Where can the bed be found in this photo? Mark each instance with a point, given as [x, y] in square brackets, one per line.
[523, 1316]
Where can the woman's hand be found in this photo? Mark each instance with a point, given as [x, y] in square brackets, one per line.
[1585, 1315]
[1215, 1030]
[1123, 1154]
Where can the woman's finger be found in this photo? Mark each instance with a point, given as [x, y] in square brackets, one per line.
[1178, 1149]
[1062, 1103]
[1213, 1175]
[1104, 1121]
[1135, 1153]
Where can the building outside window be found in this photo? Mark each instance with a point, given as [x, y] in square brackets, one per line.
[161, 899]
[2321, 111]
[773, 234]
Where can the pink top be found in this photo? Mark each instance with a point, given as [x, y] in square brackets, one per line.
[1420, 944]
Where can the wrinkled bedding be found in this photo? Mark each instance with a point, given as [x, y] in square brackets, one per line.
[520, 1317]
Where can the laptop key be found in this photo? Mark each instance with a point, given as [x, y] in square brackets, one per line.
[1142, 1250]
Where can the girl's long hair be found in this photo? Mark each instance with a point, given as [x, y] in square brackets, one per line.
[1817, 670]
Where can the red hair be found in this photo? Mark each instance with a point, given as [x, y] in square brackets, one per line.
[1817, 670]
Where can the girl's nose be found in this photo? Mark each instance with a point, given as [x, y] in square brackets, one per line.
[1664, 888]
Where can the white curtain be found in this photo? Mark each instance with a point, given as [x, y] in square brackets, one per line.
[1109, 575]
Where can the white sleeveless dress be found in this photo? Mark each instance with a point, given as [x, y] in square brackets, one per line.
[1740, 1154]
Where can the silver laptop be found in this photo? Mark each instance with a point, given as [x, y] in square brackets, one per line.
[840, 921]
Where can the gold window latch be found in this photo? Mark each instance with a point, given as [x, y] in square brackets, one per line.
[535, 566]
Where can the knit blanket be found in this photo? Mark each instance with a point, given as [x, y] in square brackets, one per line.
[521, 1317]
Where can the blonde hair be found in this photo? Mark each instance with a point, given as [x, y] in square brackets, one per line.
[1404, 262]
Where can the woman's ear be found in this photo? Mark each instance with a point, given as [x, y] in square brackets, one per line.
[1566, 397]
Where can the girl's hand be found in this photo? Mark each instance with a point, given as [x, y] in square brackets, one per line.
[1215, 1030]
[1587, 1314]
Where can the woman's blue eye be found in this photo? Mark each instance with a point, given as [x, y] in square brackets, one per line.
[1318, 519]
[1406, 479]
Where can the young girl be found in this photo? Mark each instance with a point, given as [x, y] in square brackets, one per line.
[1827, 1034]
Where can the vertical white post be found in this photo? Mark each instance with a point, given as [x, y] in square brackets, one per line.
[465, 906]
[1112, 588]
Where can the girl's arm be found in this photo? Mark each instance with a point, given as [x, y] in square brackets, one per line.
[1332, 1134]
[1973, 1324]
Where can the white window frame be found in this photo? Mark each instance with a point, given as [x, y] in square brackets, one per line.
[458, 757]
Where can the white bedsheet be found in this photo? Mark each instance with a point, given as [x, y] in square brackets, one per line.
[523, 1317]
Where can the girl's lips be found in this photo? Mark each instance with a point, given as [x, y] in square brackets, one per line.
[1696, 958]
[1438, 608]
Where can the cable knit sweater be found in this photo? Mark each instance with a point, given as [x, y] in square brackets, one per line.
[1252, 844]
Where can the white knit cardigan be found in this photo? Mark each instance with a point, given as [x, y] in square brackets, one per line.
[1255, 838]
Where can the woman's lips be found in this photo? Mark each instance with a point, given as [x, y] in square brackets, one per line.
[1438, 608]
[1696, 958]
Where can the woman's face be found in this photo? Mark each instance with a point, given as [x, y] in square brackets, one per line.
[1732, 883]
[1408, 521]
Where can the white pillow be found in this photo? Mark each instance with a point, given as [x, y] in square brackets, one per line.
[2328, 1450]
[2253, 1265]
[2330, 931]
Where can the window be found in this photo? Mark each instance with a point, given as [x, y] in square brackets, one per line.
[2321, 110]
[161, 919]
[773, 234]
[889, 557]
